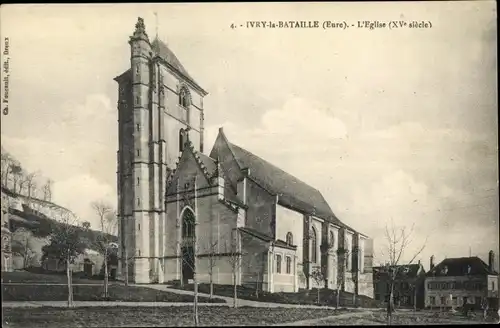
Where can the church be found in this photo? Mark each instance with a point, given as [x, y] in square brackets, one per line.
[221, 214]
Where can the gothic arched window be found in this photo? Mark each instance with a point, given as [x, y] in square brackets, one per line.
[185, 102]
[289, 238]
[314, 245]
[188, 224]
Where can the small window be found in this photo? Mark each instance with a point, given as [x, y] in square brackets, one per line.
[288, 265]
[138, 127]
[137, 68]
[278, 263]
[138, 152]
[181, 140]
[432, 300]
[138, 181]
[139, 226]
[184, 97]
[138, 202]
[289, 238]
[139, 252]
[137, 100]
[492, 285]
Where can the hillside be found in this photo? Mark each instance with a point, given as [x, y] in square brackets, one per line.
[31, 228]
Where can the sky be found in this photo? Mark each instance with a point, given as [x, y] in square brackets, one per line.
[392, 126]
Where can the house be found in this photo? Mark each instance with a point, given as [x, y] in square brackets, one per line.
[408, 289]
[458, 281]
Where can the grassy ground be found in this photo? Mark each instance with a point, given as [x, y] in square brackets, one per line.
[407, 318]
[43, 278]
[327, 297]
[93, 293]
[155, 317]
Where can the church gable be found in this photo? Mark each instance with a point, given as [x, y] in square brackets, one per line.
[222, 151]
[191, 164]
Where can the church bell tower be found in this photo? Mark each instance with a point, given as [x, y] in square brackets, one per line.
[159, 107]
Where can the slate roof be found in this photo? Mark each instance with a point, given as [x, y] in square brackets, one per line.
[404, 270]
[460, 267]
[211, 166]
[291, 191]
[208, 162]
[164, 52]
[266, 238]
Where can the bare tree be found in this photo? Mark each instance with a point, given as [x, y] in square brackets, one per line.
[398, 241]
[30, 184]
[65, 245]
[187, 249]
[318, 276]
[47, 191]
[22, 245]
[107, 222]
[6, 162]
[235, 260]
[343, 255]
[17, 177]
[320, 273]
[212, 263]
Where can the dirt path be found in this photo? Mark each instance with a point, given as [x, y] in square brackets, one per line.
[314, 322]
[241, 302]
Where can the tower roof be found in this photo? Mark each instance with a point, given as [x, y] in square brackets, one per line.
[164, 52]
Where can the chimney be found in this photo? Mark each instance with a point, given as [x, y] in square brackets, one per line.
[491, 260]
[431, 266]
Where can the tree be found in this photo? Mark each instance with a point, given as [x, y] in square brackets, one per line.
[30, 185]
[398, 241]
[107, 222]
[22, 246]
[65, 245]
[318, 276]
[212, 263]
[47, 191]
[17, 177]
[234, 258]
[6, 162]
[342, 267]
[86, 225]
[187, 250]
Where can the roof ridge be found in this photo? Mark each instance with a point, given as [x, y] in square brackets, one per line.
[198, 160]
[163, 51]
[230, 146]
[275, 166]
[189, 145]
